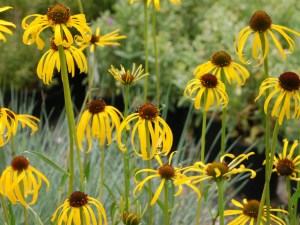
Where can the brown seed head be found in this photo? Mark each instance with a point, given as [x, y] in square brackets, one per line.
[78, 199]
[222, 167]
[221, 58]
[19, 163]
[166, 171]
[58, 14]
[130, 219]
[96, 106]
[94, 39]
[127, 78]
[260, 21]
[209, 81]
[148, 111]
[289, 81]
[285, 167]
[251, 208]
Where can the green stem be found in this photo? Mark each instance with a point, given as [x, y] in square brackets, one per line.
[288, 188]
[126, 154]
[268, 177]
[294, 213]
[166, 206]
[26, 222]
[69, 112]
[203, 135]
[156, 52]
[80, 6]
[220, 185]
[198, 211]
[13, 146]
[102, 171]
[4, 209]
[223, 131]
[146, 49]
[151, 212]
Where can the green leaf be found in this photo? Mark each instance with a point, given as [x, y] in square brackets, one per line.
[37, 219]
[48, 161]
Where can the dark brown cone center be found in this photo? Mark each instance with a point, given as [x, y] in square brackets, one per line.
[96, 106]
[220, 166]
[94, 39]
[59, 14]
[148, 111]
[127, 78]
[166, 171]
[19, 163]
[221, 58]
[285, 167]
[78, 199]
[260, 21]
[209, 81]
[251, 209]
[289, 81]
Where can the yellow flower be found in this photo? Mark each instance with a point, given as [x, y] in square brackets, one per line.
[210, 91]
[286, 92]
[79, 203]
[98, 121]
[151, 129]
[5, 24]
[51, 61]
[221, 63]
[220, 170]
[165, 172]
[58, 18]
[110, 39]
[20, 180]
[262, 28]
[287, 165]
[248, 213]
[128, 77]
[9, 122]
[156, 3]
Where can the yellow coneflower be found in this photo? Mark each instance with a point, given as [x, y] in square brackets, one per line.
[20, 180]
[286, 164]
[286, 93]
[156, 3]
[51, 61]
[220, 170]
[97, 39]
[79, 203]
[58, 18]
[98, 121]
[207, 91]
[262, 28]
[165, 172]
[151, 128]
[131, 218]
[128, 77]
[5, 24]
[222, 63]
[247, 213]
[9, 122]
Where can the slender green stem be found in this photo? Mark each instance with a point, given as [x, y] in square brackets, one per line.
[220, 185]
[156, 52]
[151, 211]
[198, 211]
[126, 154]
[268, 178]
[223, 131]
[80, 6]
[4, 210]
[288, 187]
[69, 112]
[13, 146]
[203, 135]
[146, 46]
[166, 206]
[26, 221]
[102, 171]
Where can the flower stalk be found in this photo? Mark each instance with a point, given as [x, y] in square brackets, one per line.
[166, 206]
[220, 185]
[156, 55]
[146, 46]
